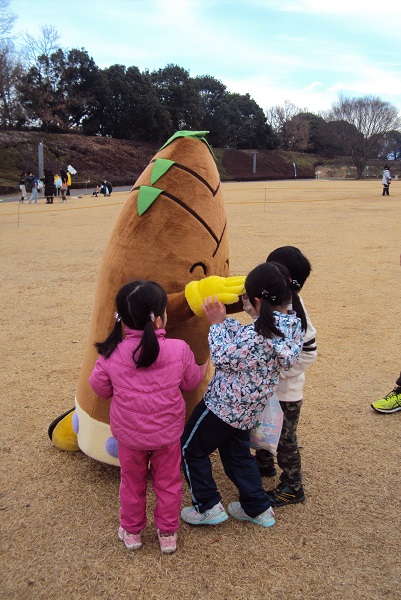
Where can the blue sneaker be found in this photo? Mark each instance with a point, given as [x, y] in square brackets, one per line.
[266, 518]
[213, 516]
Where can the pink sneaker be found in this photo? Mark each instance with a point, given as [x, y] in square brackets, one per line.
[132, 541]
[167, 541]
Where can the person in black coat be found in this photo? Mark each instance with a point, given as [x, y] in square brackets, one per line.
[50, 190]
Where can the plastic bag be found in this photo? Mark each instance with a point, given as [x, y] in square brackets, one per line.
[266, 433]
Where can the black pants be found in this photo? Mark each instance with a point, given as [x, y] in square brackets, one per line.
[386, 190]
[203, 434]
[398, 382]
[288, 455]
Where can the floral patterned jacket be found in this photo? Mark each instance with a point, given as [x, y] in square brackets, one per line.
[247, 367]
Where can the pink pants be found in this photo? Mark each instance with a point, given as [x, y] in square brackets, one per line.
[166, 481]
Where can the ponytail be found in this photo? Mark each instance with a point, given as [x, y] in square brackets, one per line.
[107, 347]
[270, 283]
[148, 347]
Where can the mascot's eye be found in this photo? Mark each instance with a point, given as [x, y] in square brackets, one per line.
[198, 266]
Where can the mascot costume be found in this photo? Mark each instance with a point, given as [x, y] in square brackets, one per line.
[173, 230]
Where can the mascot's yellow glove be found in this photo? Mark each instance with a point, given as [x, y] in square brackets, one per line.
[227, 289]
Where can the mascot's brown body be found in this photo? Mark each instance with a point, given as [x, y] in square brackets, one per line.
[173, 230]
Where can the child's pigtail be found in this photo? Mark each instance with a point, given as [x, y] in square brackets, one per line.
[265, 324]
[115, 336]
[148, 348]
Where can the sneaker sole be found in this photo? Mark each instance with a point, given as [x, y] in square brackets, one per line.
[250, 520]
[384, 411]
[209, 522]
[215, 521]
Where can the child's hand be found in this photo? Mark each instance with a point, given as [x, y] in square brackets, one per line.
[214, 310]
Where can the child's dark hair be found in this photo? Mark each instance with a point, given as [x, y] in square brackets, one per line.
[268, 283]
[138, 303]
[296, 262]
[299, 268]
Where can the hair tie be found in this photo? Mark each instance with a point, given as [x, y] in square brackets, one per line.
[117, 317]
[295, 286]
[268, 296]
[152, 316]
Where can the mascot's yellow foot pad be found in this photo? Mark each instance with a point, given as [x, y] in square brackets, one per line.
[62, 434]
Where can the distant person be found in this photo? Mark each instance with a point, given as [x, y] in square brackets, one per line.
[50, 188]
[386, 180]
[106, 188]
[96, 191]
[145, 373]
[69, 182]
[390, 403]
[22, 187]
[57, 183]
[64, 185]
[32, 186]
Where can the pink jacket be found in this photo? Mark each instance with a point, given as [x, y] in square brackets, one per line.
[147, 409]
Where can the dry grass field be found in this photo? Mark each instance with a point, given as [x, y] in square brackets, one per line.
[59, 511]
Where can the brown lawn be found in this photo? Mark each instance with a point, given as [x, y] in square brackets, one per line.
[60, 511]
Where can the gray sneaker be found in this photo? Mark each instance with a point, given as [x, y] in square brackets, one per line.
[266, 518]
[213, 516]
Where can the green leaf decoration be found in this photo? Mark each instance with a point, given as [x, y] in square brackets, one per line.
[194, 134]
[146, 196]
[160, 166]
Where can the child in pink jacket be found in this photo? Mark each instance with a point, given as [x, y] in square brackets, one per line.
[145, 373]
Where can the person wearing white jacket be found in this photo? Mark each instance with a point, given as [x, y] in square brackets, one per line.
[290, 394]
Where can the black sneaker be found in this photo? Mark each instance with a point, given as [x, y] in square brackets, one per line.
[284, 494]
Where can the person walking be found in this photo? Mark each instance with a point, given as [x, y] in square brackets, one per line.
[32, 186]
[64, 185]
[22, 186]
[386, 180]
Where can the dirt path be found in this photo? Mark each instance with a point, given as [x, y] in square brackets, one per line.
[60, 511]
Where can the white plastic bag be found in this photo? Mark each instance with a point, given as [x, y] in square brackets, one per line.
[266, 433]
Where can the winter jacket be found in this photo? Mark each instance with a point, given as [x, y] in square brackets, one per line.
[247, 367]
[30, 183]
[147, 409]
[386, 179]
[291, 382]
[50, 189]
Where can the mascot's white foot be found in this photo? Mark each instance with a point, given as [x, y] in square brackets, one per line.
[76, 430]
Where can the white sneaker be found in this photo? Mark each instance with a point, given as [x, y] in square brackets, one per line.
[213, 516]
[266, 518]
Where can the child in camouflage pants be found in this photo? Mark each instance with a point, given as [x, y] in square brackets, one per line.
[289, 393]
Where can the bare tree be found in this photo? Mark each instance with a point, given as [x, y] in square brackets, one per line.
[7, 20]
[44, 45]
[291, 131]
[11, 112]
[371, 119]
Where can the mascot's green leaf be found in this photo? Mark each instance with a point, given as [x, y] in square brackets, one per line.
[146, 196]
[160, 166]
[200, 135]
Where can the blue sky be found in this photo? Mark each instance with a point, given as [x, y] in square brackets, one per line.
[304, 51]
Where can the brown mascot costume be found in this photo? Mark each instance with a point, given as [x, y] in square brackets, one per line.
[173, 230]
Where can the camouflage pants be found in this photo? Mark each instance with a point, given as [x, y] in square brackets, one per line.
[288, 455]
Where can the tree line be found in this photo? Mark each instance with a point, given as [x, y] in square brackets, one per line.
[48, 88]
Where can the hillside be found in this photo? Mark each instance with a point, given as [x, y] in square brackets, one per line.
[122, 161]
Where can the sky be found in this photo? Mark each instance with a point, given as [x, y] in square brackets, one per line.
[307, 52]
